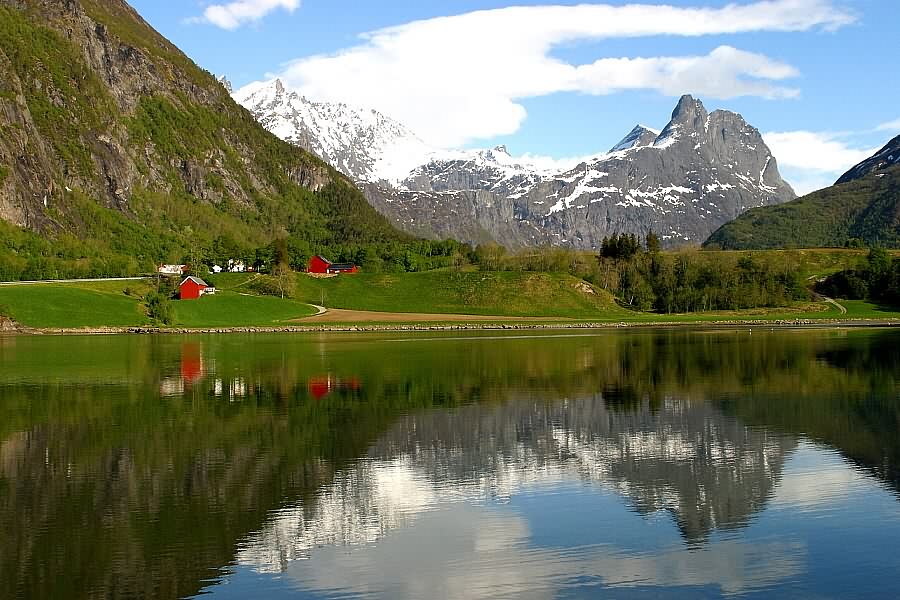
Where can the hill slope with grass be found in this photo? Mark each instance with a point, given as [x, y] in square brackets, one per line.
[503, 293]
[863, 209]
[117, 151]
[121, 304]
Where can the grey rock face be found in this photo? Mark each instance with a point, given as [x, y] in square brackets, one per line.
[35, 189]
[884, 158]
[703, 170]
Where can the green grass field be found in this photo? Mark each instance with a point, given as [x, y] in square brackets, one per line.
[105, 304]
[230, 309]
[860, 309]
[503, 294]
[100, 304]
[509, 294]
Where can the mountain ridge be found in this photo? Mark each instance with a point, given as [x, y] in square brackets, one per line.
[862, 207]
[881, 160]
[115, 143]
[698, 182]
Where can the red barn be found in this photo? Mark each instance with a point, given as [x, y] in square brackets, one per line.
[323, 266]
[191, 288]
[320, 265]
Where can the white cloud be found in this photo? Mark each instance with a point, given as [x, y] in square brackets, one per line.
[459, 78]
[724, 73]
[811, 160]
[234, 14]
[890, 126]
[476, 552]
[807, 182]
[815, 151]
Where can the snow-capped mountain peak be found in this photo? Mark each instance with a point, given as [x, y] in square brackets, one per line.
[702, 170]
[638, 137]
[363, 144]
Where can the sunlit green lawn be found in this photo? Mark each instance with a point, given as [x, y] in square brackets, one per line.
[72, 305]
[99, 304]
[231, 309]
[105, 304]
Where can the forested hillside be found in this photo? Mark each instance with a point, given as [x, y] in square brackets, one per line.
[859, 210]
[117, 152]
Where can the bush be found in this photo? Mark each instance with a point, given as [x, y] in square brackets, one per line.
[279, 287]
[159, 307]
[847, 285]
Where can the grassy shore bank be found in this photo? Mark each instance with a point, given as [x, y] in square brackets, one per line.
[440, 299]
[119, 304]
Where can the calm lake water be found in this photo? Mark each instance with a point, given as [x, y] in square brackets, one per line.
[686, 464]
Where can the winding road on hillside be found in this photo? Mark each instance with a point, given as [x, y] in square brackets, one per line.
[835, 303]
[826, 299]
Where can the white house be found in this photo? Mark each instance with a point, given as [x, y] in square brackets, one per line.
[236, 266]
[173, 269]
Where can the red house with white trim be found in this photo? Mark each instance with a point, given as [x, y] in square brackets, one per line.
[192, 288]
[323, 266]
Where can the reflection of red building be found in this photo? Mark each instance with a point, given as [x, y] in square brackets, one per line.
[323, 266]
[320, 387]
[191, 363]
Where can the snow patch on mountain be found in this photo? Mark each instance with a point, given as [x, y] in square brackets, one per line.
[700, 171]
[638, 137]
[363, 144]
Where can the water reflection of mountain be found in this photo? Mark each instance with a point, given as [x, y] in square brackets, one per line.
[126, 473]
[708, 470]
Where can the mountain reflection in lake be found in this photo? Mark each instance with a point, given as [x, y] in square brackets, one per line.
[678, 464]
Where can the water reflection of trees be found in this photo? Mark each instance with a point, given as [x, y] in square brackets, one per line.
[857, 410]
[118, 492]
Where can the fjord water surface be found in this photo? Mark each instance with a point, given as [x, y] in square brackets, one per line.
[655, 463]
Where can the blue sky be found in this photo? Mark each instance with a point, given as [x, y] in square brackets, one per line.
[810, 74]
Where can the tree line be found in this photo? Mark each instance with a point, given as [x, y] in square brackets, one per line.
[876, 279]
[645, 278]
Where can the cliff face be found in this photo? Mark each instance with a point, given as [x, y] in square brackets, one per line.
[702, 170]
[98, 111]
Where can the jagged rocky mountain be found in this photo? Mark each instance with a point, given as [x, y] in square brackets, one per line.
[703, 170]
[640, 136]
[363, 144]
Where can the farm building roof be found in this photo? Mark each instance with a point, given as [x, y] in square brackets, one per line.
[196, 280]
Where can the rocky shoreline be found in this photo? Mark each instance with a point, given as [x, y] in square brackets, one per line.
[10, 327]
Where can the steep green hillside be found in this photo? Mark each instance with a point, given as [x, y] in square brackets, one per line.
[865, 209]
[117, 151]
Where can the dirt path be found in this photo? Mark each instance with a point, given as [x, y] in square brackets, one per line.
[833, 302]
[338, 315]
